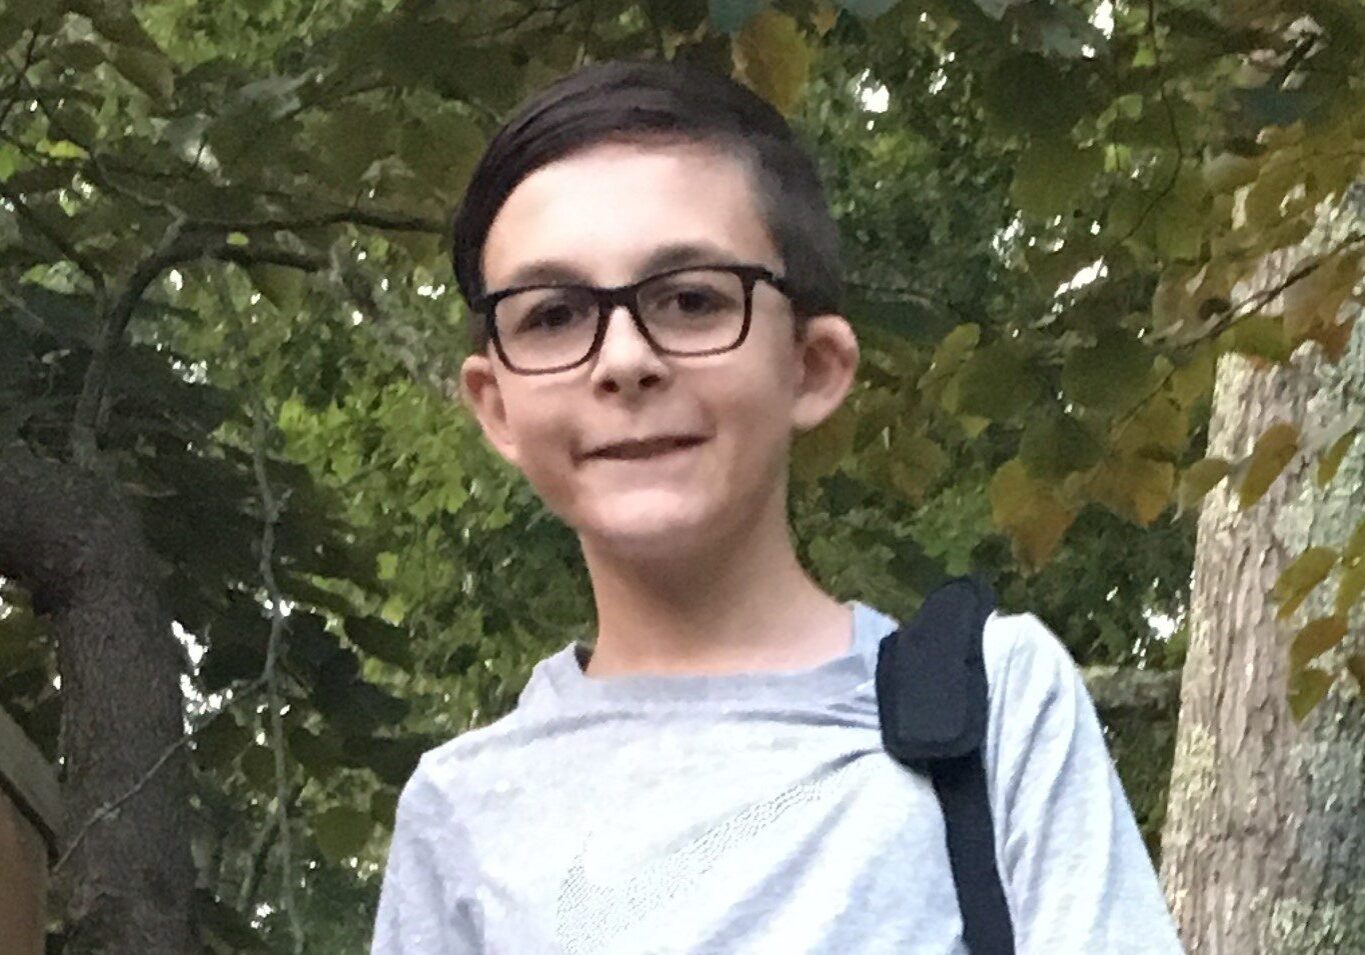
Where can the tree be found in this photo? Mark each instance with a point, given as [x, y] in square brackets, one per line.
[234, 333]
[1264, 849]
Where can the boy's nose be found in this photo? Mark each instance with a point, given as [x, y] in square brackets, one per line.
[626, 361]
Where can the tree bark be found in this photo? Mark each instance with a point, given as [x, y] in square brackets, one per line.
[77, 545]
[1263, 851]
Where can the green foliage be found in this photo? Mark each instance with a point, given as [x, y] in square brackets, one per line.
[1047, 225]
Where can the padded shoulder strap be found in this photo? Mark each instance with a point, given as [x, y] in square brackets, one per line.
[931, 676]
[932, 696]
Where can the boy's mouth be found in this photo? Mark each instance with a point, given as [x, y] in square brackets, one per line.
[644, 448]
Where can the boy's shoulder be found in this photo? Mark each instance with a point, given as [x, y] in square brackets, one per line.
[448, 765]
[1017, 644]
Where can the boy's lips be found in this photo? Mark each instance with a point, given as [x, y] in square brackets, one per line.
[638, 448]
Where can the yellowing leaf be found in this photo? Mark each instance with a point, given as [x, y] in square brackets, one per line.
[1331, 459]
[1314, 639]
[1297, 580]
[1307, 687]
[1350, 585]
[1311, 304]
[1200, 478]
[1355, 547]
[1273, 451]
[1193, 380]
[773, 58]
[1227, 171]
[1160, 429]
[1356, 664]
[1029, 511]
[1260, 336]
[948, 357]
[1134, 488]
[824, 16]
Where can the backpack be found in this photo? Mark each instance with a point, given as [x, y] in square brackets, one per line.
[932, 701]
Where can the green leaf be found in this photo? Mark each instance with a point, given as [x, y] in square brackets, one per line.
[819, 452]
[1109, 375]
[997, 382]
[148, 70]
[1274, 449]
[1297, 580]
[1051, 176]
[115, 20]
[916, 464]
[867, 9]
[1028, 95]
[258, 766]
[1055, 446]
[318, 753]
[220, 742]
[1307, 687]
[382, 640]
[729, 16]
[996, 9]
[283, 287]
[78, 55]
[384, 807]
[342, 832]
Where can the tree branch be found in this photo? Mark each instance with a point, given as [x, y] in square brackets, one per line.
[1128, 689]
[175, 249]
[239, 693]
[273, 507]
[20, 72]
[55, 238]
[363, 217]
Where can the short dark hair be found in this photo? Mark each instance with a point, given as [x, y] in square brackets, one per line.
[637, 101]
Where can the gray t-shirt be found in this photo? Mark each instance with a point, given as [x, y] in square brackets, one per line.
[757, 813]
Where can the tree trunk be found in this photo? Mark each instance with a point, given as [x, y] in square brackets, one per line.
[75, 543]
[1264, 847]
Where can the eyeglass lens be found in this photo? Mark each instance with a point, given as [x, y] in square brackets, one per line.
[700, 310]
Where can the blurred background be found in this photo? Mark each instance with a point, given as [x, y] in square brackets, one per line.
[1104, 262]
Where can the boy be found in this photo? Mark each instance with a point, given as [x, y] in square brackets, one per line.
[653, 275]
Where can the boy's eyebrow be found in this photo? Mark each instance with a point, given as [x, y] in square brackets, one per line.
[673, 256]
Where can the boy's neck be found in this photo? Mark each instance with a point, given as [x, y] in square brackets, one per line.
[745, 606]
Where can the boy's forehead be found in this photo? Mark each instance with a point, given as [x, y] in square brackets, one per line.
[610, 211]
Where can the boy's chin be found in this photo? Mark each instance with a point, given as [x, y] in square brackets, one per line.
[646, 525]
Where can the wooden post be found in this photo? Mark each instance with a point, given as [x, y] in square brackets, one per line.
[30, 807]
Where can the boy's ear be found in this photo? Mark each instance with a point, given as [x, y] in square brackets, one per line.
[827, 360]
[482, 393]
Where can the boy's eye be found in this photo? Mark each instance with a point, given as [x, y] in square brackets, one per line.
[550, 312]
[691, 299]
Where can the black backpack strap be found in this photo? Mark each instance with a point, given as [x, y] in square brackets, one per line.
[932, 699]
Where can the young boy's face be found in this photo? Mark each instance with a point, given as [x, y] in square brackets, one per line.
[612, 215]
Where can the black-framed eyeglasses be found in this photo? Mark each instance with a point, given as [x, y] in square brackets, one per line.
[691, 311]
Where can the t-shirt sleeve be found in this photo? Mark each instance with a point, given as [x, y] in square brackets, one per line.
[1076, 872]
[420, 907]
